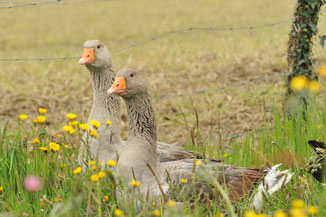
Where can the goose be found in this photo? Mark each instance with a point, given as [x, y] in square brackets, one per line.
[98, 60]
[317, 164]
[141, 151]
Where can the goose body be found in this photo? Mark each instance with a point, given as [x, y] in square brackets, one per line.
[141, 151]
[97, 59]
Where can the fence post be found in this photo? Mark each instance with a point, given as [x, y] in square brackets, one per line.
[304, 27]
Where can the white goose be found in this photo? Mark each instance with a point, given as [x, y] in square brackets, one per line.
[141, 150]
[97, 59]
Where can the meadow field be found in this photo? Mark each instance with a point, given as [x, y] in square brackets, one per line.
[239, 118]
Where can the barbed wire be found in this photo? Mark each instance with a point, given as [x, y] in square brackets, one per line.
[154, 38]
[165, 96]
[58, 2]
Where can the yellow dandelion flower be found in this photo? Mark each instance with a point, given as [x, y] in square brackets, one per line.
[280, 213]
[171, 203]
[36, 140]
[322, 151]
[319, 127]
[111, 163]
[95, 123]
[42, 204]
[23, 117]
[94, 167]
[299, 83]
[118, 212]
[156, 212]
[42, 110]
[312, 210]
[59, 136]
[93, 162]
[73, 123]
[99, 163]
[63, 165]
[134, 183]
[94, 177]
[106, 198]
[44, 148]
[67, 128]
[1, 188]
[93, 133]
[56, 199]
[108, 122]
[54, 146]
[296, 212]
[72, 131]
[225, 154]
[35, 121]
[183, 181]
[219, 215]
[67, 146]
[302, 179]
[322, 71]
[298, 204]
[101, 174]
[198, 162]
[250, 214]
[41, 119]
[315, 86]
[77, 170]
[71, 116]
[83, 126]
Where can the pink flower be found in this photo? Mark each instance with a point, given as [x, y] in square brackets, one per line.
[32, 183]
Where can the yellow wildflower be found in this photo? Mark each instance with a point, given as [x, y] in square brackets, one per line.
[93, 162]
[36, 140]
[42, 204]
[312, 210]
[73, 123]
[54, 146]
[315, 87]
[156, 212]
[302, 179]
[296, 212]
[83, 126]
[63, 165]
[1, 188]
[67, 128]
[322, 151]
[106, 198]
[99, 163]
[41, 118]
[95, 123]
[94, 178]
[198, 162]
[23, 117]
[225, 154]
[322, 71]
[319, 127]
[42, 110]
[35, 121]
[250, 214]
[44, 148]
[171, 203]
[77, 170]
[108, 122]
[219, 215]
[111, 163]
[134, 183]
[280, 213]
[72, 131]
[94, 167]
[56, 199]
[71, 116]
[183, 181]
[93, 133]
[101, 174]
[298, 204]
[59, 136]
[67, 146]
[118, 212]
[299, 83]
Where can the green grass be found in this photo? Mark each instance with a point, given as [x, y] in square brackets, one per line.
[70, 194]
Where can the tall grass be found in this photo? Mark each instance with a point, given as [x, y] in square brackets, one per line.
[67, 194]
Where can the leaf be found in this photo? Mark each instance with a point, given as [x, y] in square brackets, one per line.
[322, 40]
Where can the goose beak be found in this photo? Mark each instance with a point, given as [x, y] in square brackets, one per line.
[119, 86]
[88, 56]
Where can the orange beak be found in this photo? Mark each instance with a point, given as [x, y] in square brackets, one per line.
[88, 56]
[119, 86]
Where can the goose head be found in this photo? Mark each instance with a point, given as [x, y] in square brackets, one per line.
[128, 83]
[95, 55]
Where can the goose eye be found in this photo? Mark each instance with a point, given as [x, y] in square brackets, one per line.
[98, 46]
[131, 75]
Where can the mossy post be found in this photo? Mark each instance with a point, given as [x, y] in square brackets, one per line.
[304, 27]
[299, 55]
